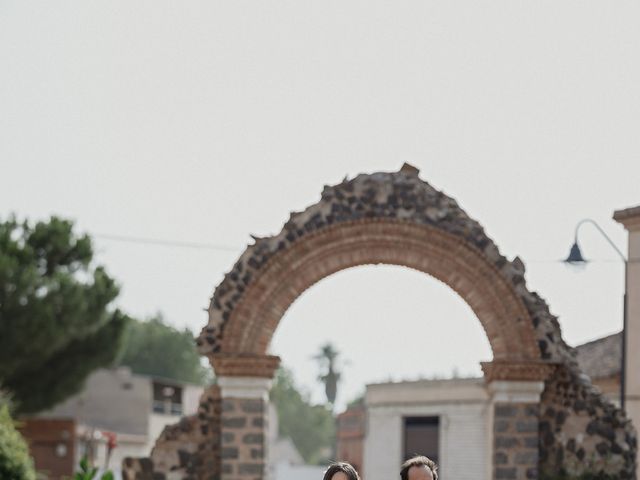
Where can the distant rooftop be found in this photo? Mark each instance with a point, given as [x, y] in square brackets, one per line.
[422, 382]
[598, 358]
[601, 358]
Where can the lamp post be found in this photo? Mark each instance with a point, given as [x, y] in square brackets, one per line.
[576, 258]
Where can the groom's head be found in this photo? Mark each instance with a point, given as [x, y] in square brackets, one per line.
[419, 468]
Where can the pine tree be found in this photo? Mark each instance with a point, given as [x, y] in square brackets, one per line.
[56, 320]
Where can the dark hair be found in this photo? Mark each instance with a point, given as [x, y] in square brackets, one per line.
[418, 461]
[343, 467]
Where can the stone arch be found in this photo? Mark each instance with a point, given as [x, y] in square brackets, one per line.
[392, 218]
[382, 218]
[382, 241]
[547, 415]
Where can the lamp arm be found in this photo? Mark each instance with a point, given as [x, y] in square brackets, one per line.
[592, 222]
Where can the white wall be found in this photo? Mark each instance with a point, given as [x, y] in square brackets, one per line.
[462, 406]
[191, 398]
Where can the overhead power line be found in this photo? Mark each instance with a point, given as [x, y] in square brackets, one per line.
[165, 243]
[227, 248]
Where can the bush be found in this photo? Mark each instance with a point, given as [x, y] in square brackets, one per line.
[15, 462]
[89, 473]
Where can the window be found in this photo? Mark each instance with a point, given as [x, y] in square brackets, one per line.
[167, 399]
[421, 437]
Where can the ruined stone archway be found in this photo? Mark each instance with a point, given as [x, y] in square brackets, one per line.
[381, 241]
[380, 218]
[396, 218]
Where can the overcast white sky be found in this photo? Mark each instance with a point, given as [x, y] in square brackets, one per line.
[205, 121]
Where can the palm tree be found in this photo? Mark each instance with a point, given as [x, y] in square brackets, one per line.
[327, 360]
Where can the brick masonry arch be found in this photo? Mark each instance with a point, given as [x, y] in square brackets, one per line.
[547, 416]
[382, 241]
[393, 218]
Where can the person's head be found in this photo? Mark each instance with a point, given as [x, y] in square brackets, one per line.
[419, 468]
[341, 471]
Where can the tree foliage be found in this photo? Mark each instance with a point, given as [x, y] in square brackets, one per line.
[155, 348]
[56, 324]
[311, 427]
[15, 462]
[87, 472]
[331, 376]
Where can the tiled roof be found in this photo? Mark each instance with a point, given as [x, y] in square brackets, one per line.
[601, 358]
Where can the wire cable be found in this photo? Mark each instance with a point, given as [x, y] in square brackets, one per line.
[165, 243]
[227, 248]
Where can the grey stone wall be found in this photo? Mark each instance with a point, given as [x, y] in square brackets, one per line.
[580, 431]
[243, 439]
[515, 429]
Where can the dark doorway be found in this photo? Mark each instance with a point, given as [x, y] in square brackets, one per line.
[421, 437]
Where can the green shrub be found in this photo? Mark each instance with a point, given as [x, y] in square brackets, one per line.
[15, 462]
[89, 473]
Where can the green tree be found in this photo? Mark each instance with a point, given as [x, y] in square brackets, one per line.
[311, 427]
[155, 348]
[56, 324]
[15, 462]
[327, 359]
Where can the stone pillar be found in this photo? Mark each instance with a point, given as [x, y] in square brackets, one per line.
[630, 218]
[244, 387]
[516, 414]
[515, 389]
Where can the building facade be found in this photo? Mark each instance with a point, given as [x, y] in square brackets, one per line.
[117, 415]
[446, 420]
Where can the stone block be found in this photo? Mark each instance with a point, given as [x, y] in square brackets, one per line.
[502, 441]
[503, 473]
[250, 468]
[234, 422]
[527, 457]
[257, 453]
[252, 406]
[501, 426]
[253, 438]
[258, 422]
[528, 426]
[506, 410]
[229, 452]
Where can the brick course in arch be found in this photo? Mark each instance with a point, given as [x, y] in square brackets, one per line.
[382, 241]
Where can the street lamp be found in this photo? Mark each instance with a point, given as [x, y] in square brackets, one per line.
[576, 258]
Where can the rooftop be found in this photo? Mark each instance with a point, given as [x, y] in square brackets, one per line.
[600, 358]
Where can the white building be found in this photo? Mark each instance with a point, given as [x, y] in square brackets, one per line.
[450, 420]
[131, 408]
[447, 420]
